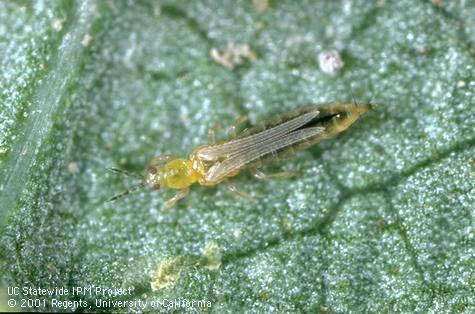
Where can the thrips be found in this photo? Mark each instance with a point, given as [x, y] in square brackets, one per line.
[268, 141]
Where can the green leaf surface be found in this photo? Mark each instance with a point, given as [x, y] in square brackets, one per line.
[381, 218]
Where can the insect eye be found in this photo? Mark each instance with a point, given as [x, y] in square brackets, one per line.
[152, 170]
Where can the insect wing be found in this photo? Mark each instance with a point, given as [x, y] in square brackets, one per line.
[248, 143]
[259, 148]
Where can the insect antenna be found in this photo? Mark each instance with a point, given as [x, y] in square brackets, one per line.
[126, 173]
[132, 189]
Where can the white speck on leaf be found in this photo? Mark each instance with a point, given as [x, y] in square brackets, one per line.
[86, 40]
[237, 233]
[330, 61]
[73, 167]
[57, 24]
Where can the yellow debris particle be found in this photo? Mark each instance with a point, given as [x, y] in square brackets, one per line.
[287, 224]
[167, 273]
[50, 266]
[212, 256]
[4, 298]
[260, 5]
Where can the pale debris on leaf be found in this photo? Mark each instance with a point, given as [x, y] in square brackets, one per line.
[167, 273]
[260, 5]
[57, 24]
[330, 61]
[234, 54]
[86, 40]
[212, 256]
[73, 167]
[157, 9]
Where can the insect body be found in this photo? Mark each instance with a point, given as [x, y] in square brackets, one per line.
[214, 163]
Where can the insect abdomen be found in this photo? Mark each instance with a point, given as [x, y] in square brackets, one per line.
[334, 118]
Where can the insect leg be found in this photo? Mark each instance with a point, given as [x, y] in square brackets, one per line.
[278, 175]
[232, 188]
[158, 160]
[172, 201]
[212, 133]
[232, 128]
